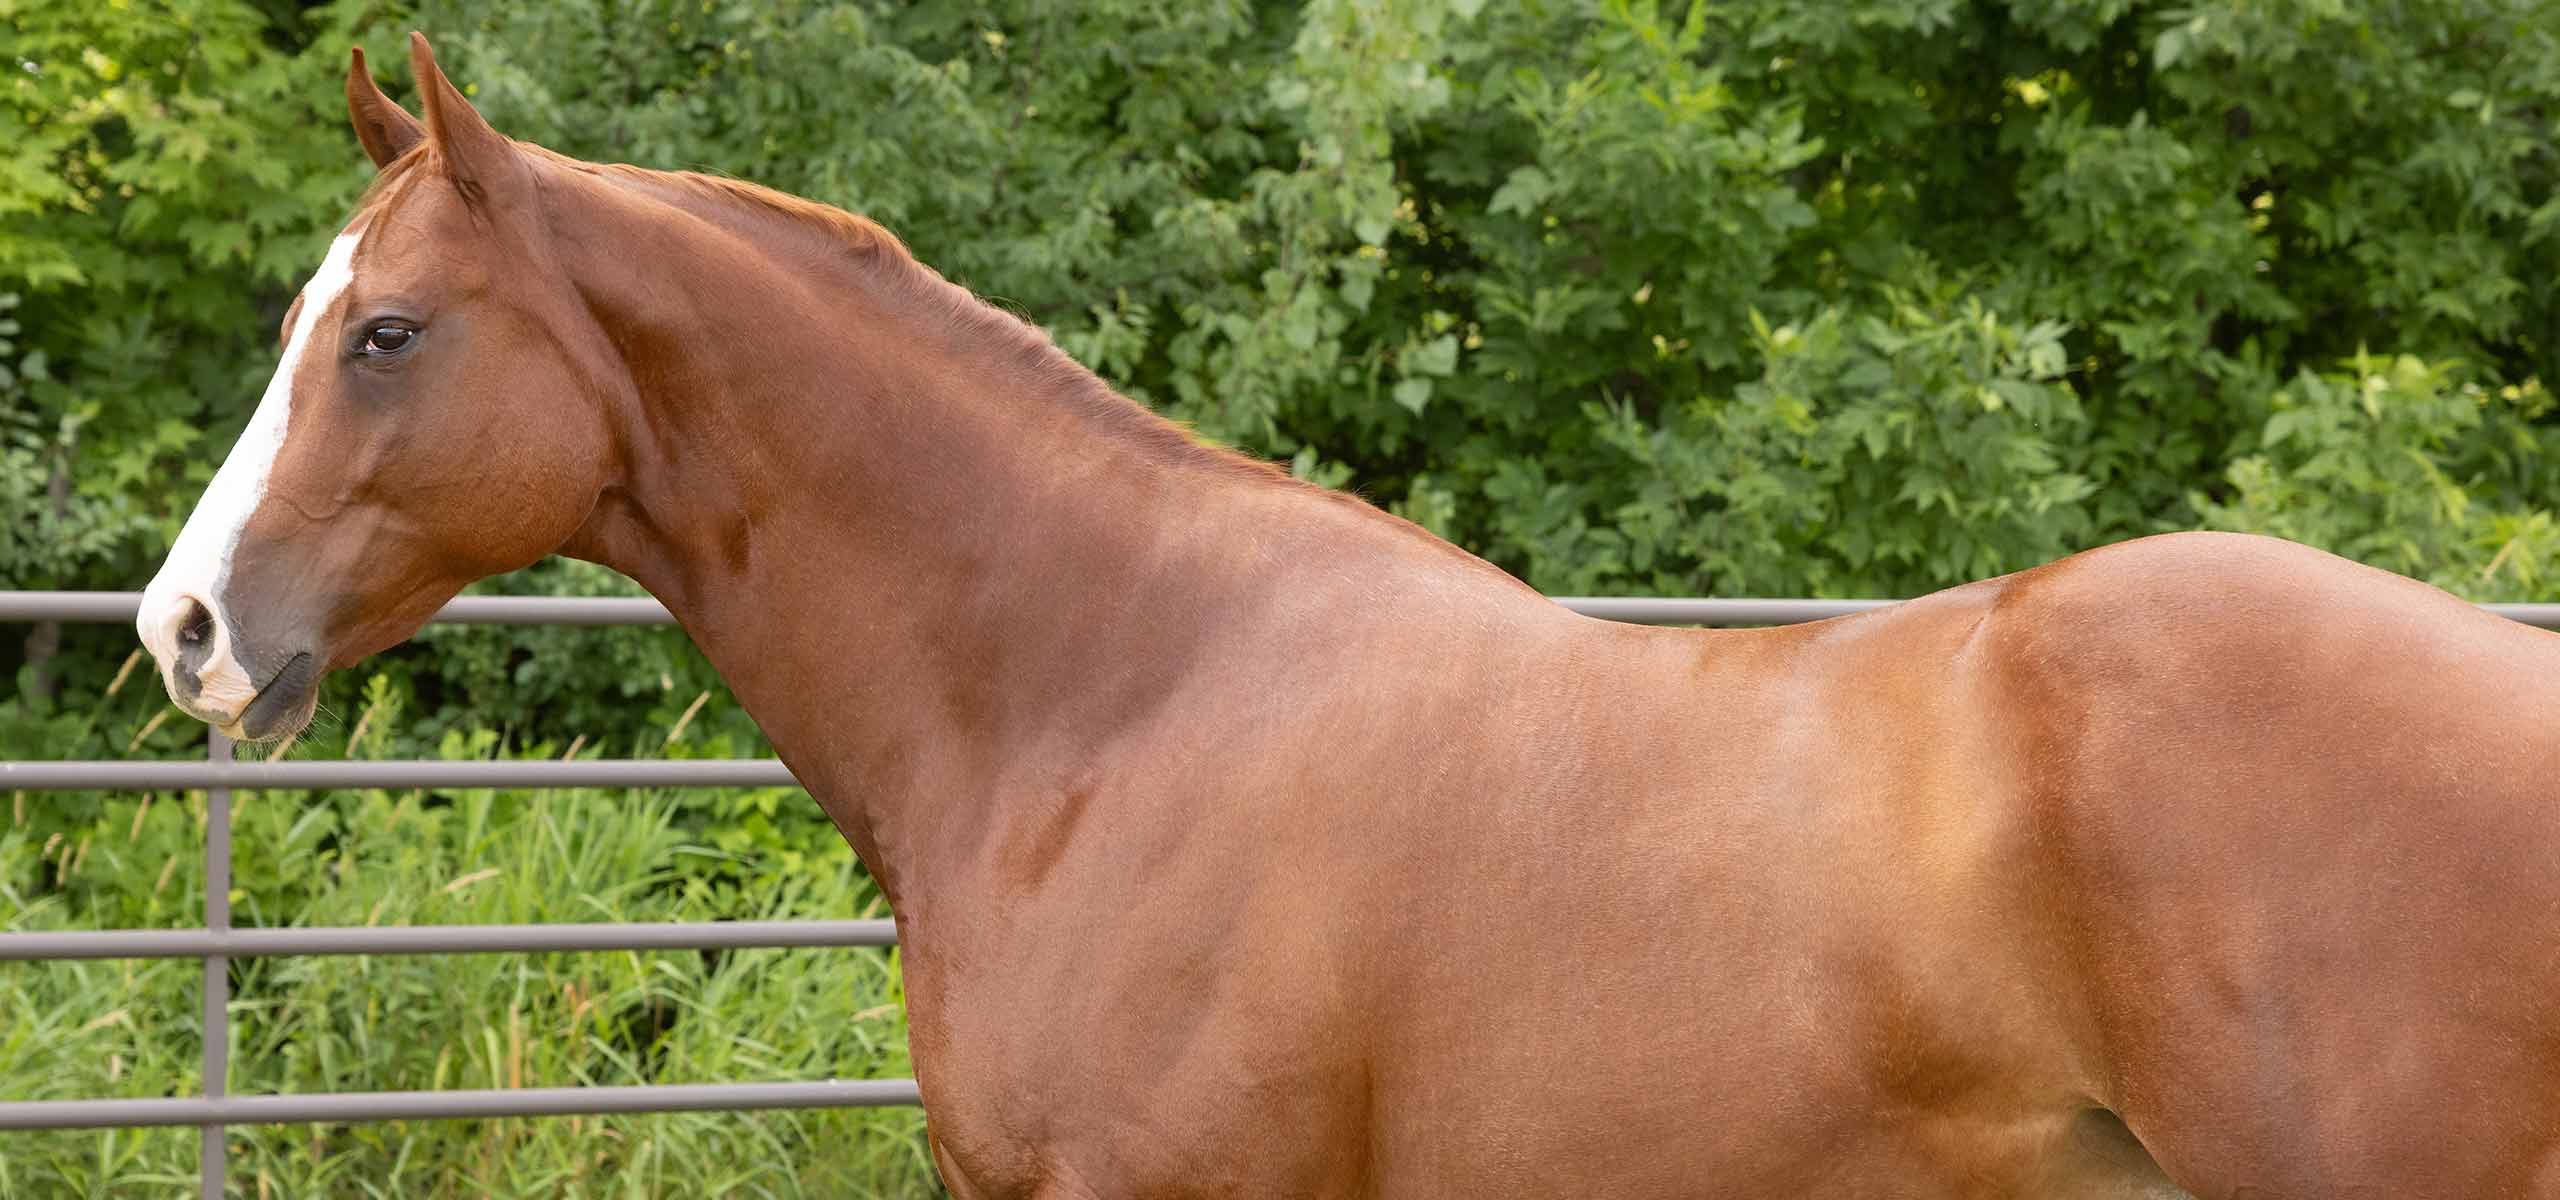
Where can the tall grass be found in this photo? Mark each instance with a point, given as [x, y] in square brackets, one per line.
[124, 1028]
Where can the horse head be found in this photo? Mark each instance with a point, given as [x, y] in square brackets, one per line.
[437, 417]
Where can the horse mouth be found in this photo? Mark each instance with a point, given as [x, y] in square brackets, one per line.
[283, 705]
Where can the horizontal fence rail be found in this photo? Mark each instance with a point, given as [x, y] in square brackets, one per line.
[1640, 611]
[440, 939]
[333, 1107]
[217, 943]
[122, 775]
[107, 608]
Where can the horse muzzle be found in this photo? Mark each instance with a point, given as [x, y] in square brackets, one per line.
[250, 688]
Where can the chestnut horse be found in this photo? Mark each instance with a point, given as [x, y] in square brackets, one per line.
[1247, 841]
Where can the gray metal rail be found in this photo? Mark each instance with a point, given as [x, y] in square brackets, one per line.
[334, 1107]
[439, 939]
[322, 774]
[106, 608]
[1641, 611]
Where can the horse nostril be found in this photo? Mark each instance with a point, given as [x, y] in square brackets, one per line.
[195, 626]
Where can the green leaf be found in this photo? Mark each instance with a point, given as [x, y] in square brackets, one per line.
[1439, 356]
[1522, 193]
[2168, 49]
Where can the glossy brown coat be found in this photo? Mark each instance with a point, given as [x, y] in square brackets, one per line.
[1247, 841]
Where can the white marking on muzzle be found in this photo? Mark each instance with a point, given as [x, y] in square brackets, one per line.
[200, 563]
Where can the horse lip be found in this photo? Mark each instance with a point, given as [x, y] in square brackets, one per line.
[270, 696]
[289, 664]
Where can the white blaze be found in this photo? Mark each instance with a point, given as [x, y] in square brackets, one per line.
[200, 563]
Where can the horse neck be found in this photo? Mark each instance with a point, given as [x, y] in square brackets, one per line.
[935, 559]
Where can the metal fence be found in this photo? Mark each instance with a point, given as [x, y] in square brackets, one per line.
[216, 942]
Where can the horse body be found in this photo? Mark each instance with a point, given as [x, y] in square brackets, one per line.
[2195, 840]
[1245, 840]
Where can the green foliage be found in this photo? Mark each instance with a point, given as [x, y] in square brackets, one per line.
[2358, 460]
[166, 174]
[1865, 456]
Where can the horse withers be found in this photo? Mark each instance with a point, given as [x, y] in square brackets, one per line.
[1247, 841]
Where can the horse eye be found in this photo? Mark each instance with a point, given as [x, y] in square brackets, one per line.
[387, 339]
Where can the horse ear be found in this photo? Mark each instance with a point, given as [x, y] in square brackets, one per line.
[386, 129]
[479, 159]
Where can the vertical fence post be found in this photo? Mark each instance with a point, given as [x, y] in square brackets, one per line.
[211, 1149]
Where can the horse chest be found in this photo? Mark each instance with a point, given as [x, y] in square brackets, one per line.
[1140, 1068]
[1022, 1104]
